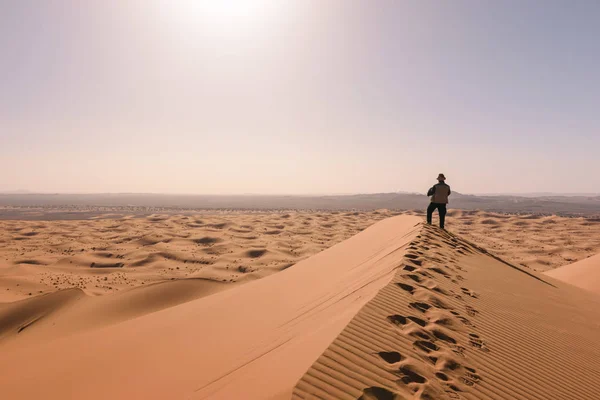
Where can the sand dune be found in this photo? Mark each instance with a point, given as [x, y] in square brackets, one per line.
[540, 243]
[584, 274]
[398, 311]
[455, 323]
[251, 342]
[106, 256]
[68, 311]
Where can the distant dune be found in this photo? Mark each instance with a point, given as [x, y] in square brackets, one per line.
[538, 242]
[584, 274]
[70, 206]
[108, 255]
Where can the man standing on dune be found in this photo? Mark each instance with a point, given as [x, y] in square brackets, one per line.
[439, 199]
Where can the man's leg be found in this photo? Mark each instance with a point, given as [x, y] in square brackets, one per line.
[430, 209]
[442, 210]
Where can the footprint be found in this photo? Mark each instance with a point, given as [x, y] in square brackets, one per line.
[409, 268]
[440, 271]
[377, 393]
[410, 289]
[420, 306]
[471, 311]
[417, 262]
[439, 303]
[459, 350]
[401, 320]
[417, 321]
[470, 378]
[476, 342]
[448, 364]
[411, 376]
[397, 319]
[411, 256]
[426, 346]
[425, 274]
[391, 357]
[447, 322]
[439, 290]
[415, 278]
[451, 242]
[469, 292]
[420, 334]
[461, 318]
[442, 336]
[442, 376]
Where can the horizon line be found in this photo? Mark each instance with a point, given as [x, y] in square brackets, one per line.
[507, 194]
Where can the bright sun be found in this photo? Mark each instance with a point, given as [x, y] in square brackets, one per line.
[220, 16]
[227, 10]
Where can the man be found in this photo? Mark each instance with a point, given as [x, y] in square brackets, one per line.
[439, 198]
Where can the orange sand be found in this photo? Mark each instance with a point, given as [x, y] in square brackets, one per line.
[106, 256]
[398, 311]
[584, 274]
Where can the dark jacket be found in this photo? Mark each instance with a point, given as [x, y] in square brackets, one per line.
[439, 193]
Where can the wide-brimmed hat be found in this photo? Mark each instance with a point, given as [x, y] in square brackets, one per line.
[442, 177]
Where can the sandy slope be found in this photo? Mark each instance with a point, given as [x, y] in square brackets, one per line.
[399, 311]
[106, 256]
[251, 342]
[455, 323]
[584, 274]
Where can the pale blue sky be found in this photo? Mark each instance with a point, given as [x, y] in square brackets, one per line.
[180, 96]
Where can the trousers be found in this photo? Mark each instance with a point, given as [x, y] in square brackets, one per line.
[441, 210]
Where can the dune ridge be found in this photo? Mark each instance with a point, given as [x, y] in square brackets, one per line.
[457, 323]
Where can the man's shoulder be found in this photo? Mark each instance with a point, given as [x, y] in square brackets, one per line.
[442, 184]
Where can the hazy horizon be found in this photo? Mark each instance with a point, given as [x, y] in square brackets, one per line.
[507, 194]
[299, 97]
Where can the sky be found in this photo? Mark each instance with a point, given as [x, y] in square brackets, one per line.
[299, 97]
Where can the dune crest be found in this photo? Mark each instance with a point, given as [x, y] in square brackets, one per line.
[458, 323]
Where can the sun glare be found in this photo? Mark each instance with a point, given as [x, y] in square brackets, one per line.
[227, 10]
[220, 16]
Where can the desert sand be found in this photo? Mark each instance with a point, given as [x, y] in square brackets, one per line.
[399, 310]
[538, 242]
[102, 256]
[584, 274]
